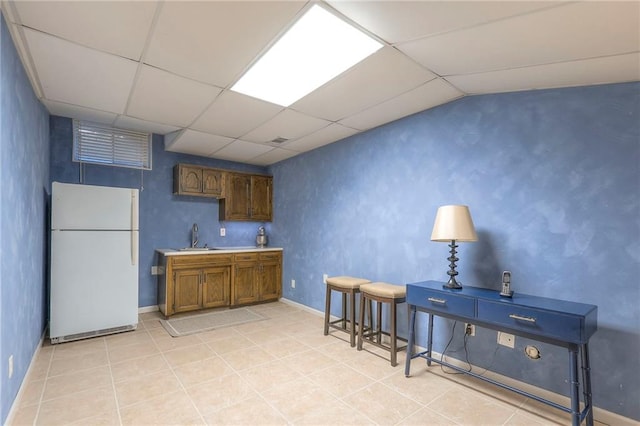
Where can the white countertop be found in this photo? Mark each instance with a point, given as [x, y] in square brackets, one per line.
[215, 250]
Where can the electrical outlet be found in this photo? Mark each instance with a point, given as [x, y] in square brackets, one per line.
[324, 278]
[505, 339]
[154, 270]
[470, 329]
[223, 232]
[293, 283]
[10, 366]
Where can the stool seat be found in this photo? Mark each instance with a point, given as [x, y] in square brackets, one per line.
[387, 290]
[347, 282]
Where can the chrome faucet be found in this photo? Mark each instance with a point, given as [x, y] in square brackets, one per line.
[194, 235]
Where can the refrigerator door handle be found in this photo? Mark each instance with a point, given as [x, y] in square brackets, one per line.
[134, 210]
[134, 247]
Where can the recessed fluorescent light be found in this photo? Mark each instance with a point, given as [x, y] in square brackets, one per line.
[317, 48]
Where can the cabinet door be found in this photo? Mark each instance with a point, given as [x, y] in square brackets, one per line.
[237, 202]
[261, 198]
[216, 287]
[187, 290]
[212, 182]
[270, 280]
[245, 283]
[190, 180]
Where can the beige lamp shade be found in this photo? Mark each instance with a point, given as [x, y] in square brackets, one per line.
[453, 223]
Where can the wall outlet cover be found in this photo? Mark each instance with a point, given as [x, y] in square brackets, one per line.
[506, 339]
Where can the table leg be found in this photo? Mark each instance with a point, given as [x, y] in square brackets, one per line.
[410, 341]
[586, 383]
[429, 339]
[575, 386]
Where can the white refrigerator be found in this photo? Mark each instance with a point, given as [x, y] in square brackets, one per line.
[94, 261]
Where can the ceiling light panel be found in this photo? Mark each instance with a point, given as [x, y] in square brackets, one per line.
[213, 41]
[116, 27]
[78, 75]
[166, 98]
[317, 48]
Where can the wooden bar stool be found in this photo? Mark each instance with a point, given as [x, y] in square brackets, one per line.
[348, 286]
[381, 293]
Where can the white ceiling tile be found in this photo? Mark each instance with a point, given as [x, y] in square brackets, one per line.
[196, 143]
[78, 75]
[410, 20]
[234, 114]
[78, 112]
[116, 27]
[433, 93]
[273, 156]
[611, 69]
[214, 41]
[169, 99]
[131, 123]
[324, 136]
[575, 31]
[387, 70]
[288, 124]
[241, 151]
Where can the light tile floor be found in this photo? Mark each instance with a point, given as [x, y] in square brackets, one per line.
[277, 371]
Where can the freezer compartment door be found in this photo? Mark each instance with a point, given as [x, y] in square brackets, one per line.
[93, 207]
[94, 285]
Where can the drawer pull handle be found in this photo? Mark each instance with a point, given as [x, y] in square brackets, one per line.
[520, 317]
[434, 300]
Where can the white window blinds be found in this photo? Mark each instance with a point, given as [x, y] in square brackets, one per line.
[102, 144]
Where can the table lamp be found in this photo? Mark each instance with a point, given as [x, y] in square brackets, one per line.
[453, 224]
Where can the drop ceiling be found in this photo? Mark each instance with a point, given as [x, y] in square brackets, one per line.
[166, 67]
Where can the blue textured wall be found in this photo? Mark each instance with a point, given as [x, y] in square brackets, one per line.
[165, 219]
[552, 180]
[24, 177]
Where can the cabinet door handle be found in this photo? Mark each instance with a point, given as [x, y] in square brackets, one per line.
[436, 300]
[522, 318]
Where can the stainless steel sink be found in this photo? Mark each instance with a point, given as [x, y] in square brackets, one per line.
[196, 249]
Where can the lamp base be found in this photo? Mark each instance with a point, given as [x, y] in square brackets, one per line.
[452, 284]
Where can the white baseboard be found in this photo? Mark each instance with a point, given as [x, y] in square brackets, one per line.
[146, 309]
[599, 414]
[16, 402]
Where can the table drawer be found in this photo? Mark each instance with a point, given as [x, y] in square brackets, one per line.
[441, 301]
[556, 325]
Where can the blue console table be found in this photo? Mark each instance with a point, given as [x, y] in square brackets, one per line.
[558, 322]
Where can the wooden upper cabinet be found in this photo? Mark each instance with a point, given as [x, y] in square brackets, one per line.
[261, 198]
[213, 182]
[248, 197]
[199, 181]
[243, 196]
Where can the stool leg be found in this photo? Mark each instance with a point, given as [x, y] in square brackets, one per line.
[362, 308]
[327, 309]
[379, 321]
[352, 318]
[344, 310]
[394, 343]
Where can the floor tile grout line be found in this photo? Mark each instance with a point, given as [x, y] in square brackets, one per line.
[113, 385]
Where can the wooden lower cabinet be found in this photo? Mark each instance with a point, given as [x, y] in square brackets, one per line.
[257, 277]
[193, 282]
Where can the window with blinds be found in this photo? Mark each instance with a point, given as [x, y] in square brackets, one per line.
[102, 144]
